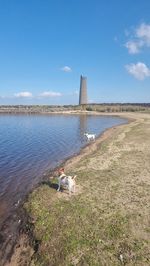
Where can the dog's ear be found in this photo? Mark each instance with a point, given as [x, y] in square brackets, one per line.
[60, 170]
[74, 177]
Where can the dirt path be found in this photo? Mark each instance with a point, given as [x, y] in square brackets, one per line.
[107, 221]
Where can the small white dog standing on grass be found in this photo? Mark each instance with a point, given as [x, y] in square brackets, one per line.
[64, 180]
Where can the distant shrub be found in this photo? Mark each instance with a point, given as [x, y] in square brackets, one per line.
[89, 109]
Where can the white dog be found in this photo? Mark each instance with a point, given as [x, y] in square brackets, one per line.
[90, 136]
[68, 181]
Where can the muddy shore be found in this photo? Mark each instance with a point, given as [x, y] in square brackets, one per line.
[17, 249]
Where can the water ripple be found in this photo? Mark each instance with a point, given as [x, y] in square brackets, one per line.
[31, 144]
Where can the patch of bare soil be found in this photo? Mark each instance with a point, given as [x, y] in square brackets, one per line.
[23, 253]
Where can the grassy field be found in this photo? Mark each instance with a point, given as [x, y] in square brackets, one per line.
[106, 222]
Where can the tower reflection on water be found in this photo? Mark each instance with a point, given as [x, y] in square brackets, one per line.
[83, 125]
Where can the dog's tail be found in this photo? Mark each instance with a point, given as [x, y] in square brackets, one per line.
[73, 177]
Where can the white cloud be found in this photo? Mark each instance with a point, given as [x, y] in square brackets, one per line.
[139, 71]
[50, 94]
[66, 69]
[143, 33]
[133, 47]
[23, 94]
[140, 39]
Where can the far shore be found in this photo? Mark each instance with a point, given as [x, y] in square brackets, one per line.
[112, 192]
[69, 109]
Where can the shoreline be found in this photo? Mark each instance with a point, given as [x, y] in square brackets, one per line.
[68, 164]
[89, 147]
[18, 215]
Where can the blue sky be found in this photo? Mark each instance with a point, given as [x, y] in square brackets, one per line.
[45, 45]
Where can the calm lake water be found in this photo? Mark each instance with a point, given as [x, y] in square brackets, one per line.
[32, 144]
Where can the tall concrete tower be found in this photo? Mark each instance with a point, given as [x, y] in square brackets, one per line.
[83, 91]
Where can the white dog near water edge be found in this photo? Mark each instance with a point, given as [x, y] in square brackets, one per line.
[68, 181]
[90, 136]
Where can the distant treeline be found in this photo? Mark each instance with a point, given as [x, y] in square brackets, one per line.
[103, 107]
[119, 107]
